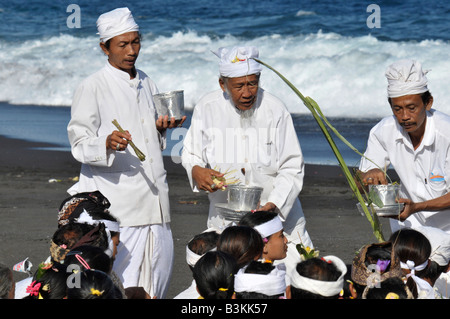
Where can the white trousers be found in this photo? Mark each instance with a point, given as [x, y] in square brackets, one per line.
[145, 258]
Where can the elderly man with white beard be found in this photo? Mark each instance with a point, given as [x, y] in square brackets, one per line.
[241, 128]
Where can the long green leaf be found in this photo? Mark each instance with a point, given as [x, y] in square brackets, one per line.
[315, 110]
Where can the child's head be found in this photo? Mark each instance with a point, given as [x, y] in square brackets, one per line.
[269, 225]
[200, 245]
[241, 242]
[50, 283]
[260, 280]
[414, 250]
[391, 288]
[318, 278]
[72, 235]
[214, 275]
[374, 263]
[93, 284]
[440, 252]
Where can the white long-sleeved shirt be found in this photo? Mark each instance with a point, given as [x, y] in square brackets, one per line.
[263, 142]
[424, 173]
[137, 190]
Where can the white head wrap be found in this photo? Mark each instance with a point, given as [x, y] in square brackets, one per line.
[238, 61]
[406, 77]
[424, 289]
[271, 284]
[192, 257]
[440, 244]
[319, 287]
[109, 226]
[114, 23]
[271, 227]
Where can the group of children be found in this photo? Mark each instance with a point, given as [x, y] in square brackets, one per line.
[246, 260]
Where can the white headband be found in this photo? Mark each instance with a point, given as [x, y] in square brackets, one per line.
[87, 219]
[423, 287]
[319, 287]
[238, 61]
[271, 284]
[406, 77]
[271, 227]
[114, 23]
[192, 258]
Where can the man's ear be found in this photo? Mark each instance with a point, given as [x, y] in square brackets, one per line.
[430, 103]
[222, 84]
[104, 48]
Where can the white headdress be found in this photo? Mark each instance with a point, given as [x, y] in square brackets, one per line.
[238, 61]
[271, 284]
[271, 227]
[114, 23]
[406, 77]
[319, 287]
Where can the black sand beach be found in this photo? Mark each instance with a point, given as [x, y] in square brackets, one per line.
[29, 202]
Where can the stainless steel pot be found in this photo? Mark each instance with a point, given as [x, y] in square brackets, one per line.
[170, 103]
[244, 198]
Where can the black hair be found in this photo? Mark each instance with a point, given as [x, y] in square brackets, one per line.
[203, 242]
[390, 285]
[242, 242]
[94, 257]
[50, 283]
[425, 96]
[94, 284]
[214, 275]
[410, 244]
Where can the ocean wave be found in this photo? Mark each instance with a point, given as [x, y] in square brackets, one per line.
[345, 75]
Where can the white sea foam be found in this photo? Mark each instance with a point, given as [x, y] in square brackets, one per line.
[345, 75]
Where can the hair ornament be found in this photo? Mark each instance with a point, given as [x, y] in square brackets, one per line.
[96, 292]
[33, 288]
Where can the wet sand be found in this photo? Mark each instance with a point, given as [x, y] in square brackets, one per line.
[29, 203]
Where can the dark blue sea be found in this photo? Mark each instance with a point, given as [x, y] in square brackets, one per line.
[333, 51]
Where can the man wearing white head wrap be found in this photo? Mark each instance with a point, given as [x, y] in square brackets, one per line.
[246, 131]
[137, 189]
[114, 23]
[415, 141]
[238, 61]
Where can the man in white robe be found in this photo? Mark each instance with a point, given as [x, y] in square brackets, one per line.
[243, 129]
[137, 190]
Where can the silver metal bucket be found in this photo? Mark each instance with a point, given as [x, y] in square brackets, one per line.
[244, 198]
[170, 103]
[388, 194]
